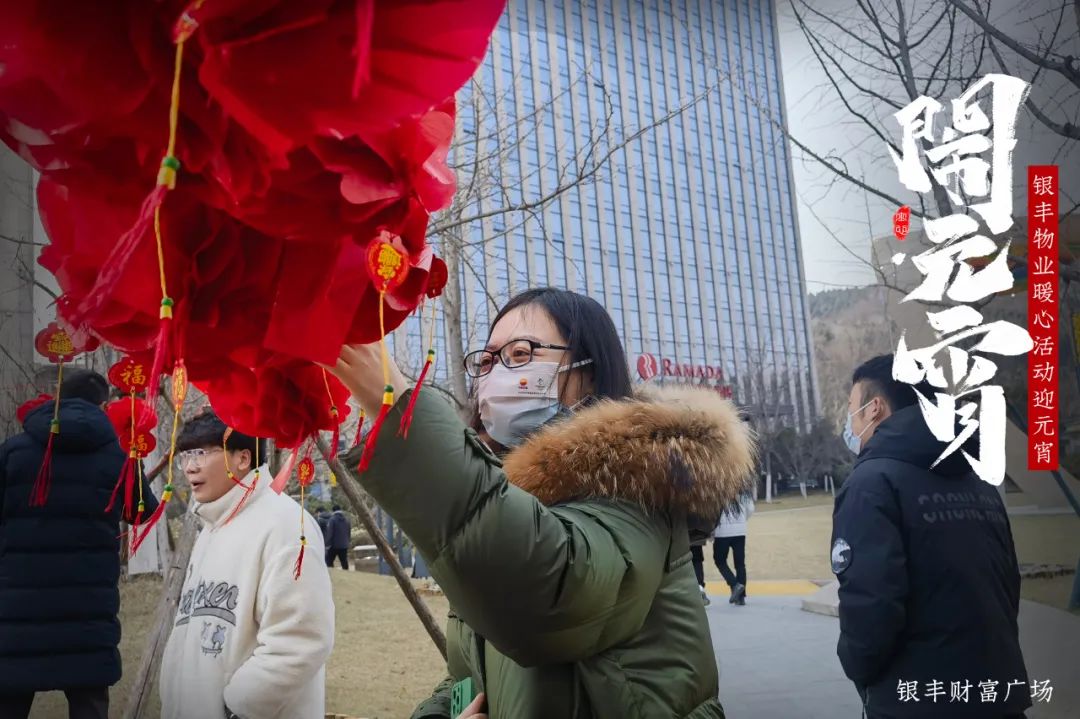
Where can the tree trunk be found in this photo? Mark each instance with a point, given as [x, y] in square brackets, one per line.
[142, 687]
[451, 301]
[273, 457]
[768, 478]
[350, 486]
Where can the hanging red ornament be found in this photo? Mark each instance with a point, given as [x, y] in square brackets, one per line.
[129, 375]
[134, 423]
[388, 264]
[179, 394]
[55, 345]
[305, 475]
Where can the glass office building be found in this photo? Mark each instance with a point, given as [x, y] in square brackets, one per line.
[650, 124]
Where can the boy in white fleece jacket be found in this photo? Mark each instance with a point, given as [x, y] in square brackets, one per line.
[249, 640]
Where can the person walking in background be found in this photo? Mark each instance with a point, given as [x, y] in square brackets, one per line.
[699, 534]
[338, 538]
[730, 535]
[60, 563]
[924, 555]
[323, 518]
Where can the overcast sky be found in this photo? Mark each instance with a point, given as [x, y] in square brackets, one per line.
[818, 119]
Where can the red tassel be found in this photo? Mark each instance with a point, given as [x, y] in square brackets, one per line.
[138, 537]
[161, 351]
[126, 480]
[113, 267]
[373, 435]
[248, 489]
[135, 526]
[334, 442]
[282, 477]
[39, 493]
[300, 559]
[359, 430]
[406, 419]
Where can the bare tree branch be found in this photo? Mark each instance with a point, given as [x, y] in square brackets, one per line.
[584, 175]
[16, 241]
[1066, 68]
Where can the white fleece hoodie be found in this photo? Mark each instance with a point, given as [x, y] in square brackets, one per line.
[246, 634]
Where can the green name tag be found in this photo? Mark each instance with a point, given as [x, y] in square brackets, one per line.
[461, 696]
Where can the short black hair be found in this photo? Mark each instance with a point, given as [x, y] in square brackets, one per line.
[84, 384]
[877, 376]
[590, 334]
[337, 507]
[207, 430]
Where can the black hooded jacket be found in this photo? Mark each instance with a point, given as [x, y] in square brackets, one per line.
[929, 581]
[59, 564]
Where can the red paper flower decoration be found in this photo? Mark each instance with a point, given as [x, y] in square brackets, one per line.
[296, 215]
[30, 405]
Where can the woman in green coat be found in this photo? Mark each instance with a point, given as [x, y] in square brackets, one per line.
[557, 524]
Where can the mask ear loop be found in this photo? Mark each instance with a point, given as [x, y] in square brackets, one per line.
[587, 398]
[860, 409]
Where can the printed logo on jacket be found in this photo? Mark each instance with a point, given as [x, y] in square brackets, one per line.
[209, 599]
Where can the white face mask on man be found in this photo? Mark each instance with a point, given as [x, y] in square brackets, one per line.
[514, 403]
[852, 440]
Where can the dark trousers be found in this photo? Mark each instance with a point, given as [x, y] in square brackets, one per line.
[341, 554]
[737, 545]
[697, 558]
[82, 704]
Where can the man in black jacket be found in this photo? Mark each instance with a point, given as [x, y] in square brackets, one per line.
[929, 581]
[337, 535]
[59, 564]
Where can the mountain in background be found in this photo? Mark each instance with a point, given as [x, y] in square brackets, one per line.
[850, 326]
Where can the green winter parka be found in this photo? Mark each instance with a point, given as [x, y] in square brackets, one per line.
[567, 562]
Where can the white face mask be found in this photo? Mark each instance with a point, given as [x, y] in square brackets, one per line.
[514, 403]
[852, 440]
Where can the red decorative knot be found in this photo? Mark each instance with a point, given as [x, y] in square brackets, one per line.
[305, 471]
[54, 343]
[387, 263]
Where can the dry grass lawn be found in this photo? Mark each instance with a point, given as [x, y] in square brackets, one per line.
[384, 663]
[790, 540]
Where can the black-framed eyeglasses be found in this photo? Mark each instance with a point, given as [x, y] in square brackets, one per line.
[513, 354]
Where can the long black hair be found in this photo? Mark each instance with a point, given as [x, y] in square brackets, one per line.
[590, 334]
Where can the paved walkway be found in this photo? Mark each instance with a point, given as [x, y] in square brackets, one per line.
[779, 662]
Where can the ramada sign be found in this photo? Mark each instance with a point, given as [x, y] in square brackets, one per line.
[649, 367]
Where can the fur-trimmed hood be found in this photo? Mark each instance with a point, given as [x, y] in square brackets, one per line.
[673, 448]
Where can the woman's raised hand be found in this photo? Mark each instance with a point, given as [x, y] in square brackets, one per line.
[360, 369]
